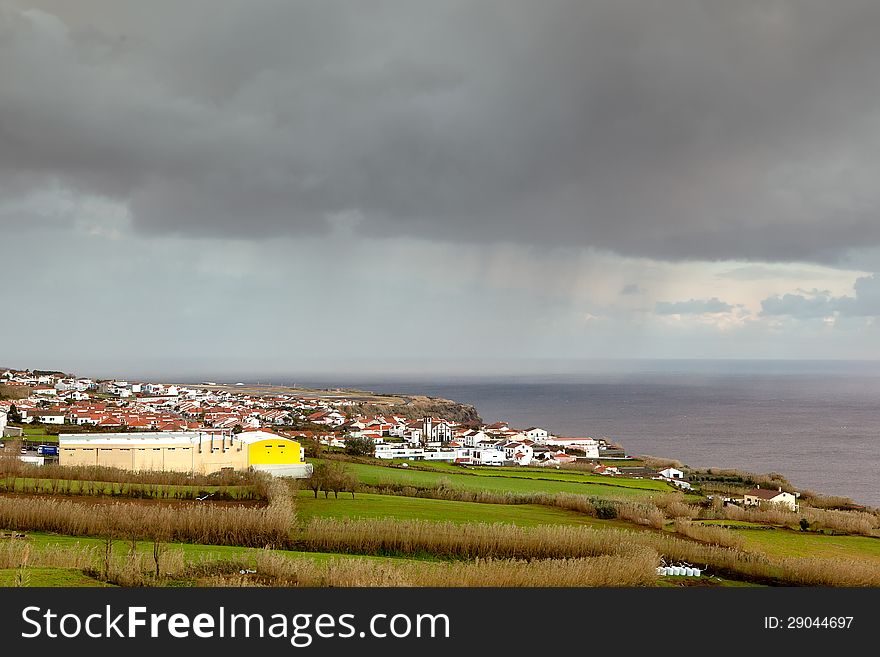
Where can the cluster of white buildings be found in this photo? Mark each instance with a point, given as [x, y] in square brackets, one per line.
[438, 439]
[121, 405]
[58, 399]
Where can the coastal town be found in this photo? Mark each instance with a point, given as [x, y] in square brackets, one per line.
[78, 409]
[160, 465]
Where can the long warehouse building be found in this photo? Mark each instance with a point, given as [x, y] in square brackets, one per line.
[199, 452]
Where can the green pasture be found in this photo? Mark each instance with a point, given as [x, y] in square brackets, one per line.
[551, 474]
[66, 577]
[191, 551]
[76, 487]
[368, 505]
[780, 542]
[520, 482]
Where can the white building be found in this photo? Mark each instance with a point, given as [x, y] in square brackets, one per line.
[2, 422]
[42, 415]
[589, 446]
[474, 438]
[521, 452]
[537, 434]
[672, 473]
[47, 417]
[484, 456]
[758, 496]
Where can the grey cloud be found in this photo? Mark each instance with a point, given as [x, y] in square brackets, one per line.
[631, 289]
[671, 130]
[820, 303]
[692, 307]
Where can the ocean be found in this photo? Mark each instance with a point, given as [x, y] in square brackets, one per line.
[817, 423]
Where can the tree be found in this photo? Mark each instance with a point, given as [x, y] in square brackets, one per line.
[318, 478]
[351, 484]
[339, 478]
[160, 546]
[14, 414]
[359, 446]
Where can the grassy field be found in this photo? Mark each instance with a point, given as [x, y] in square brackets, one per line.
[190, 550]
[157, 491]
[519, 482]
[67, 577]
[38, 433]
[791, 543]
[367, 505]
[540, 473]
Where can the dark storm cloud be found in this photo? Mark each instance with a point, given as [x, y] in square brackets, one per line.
[677, 129]
[692, 307]
[820, 303]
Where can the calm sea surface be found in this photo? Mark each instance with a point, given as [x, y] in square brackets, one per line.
[818, 424]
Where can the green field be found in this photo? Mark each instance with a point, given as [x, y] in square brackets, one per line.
[522, 481]
[792, 543]
[368, 505]
[67, 577]
[38, 433]
[190, 550]
[552, 474]
[77, 487]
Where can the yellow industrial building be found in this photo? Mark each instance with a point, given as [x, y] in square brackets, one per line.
[199, 452]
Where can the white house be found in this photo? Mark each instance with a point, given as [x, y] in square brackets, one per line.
[521, 452]
[483, 456]
[474, 438]
[675, 477]
[672, 473]
[398, 428]
[589, 446]
[2, 422]
[414, 433]
[757, 496]
[537, 434]
[42, 415]
[45, 391]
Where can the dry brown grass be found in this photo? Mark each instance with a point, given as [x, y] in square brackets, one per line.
[826, 501]
[125, 569]
[850, 522]
[708, 534]
[11, 466]
[811, 571]
[451, 540]
[639, 513]
[674, 506]
[771, 515]
[636, 569]
[204, 524]
[508, 541]
[660, 463]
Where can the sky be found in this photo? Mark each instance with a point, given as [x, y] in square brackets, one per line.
[273, 187]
